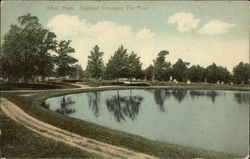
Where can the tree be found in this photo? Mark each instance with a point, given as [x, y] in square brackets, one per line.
[161, 67]
[63, 60]
[223, 74]
[25, 50]
[19, 43]
[45, 62]
[134, 66]
[212, 73]
[12, 54]
[148, 72]
[179, 70]
[241, 72]
[196, 73]
[76, 72]
[117, 65]
[216, 73]
[95, 66]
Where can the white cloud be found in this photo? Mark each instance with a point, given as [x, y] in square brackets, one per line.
[185, 21]
[216, 27]
[110, 35]
[145, 34]
[65, 25]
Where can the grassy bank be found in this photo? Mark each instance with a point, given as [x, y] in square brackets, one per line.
[32, 105]
[164, 84]
[19, 142]
[35, 86]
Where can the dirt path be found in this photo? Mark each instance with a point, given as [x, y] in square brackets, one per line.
[99, 148]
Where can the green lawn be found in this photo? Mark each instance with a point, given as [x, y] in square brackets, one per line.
[35, 86]
[19, 142]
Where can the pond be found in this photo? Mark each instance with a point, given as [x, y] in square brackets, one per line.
[210, 120]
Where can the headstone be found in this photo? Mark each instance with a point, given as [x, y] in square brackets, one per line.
[175, 81]
[218, 82]
[188, 82]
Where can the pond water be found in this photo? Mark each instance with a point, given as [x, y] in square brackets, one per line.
[210, 120]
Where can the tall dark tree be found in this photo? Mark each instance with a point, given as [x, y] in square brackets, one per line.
[216, 73]
[241, 72]
[223, 74]
[161, 67]
[179, 70]
[21, 41]
[95, 66]
[196, 73]
[45, 62]
[148, 72]
[134, 66]
[117, 66]
[12, 54]
[64, 61]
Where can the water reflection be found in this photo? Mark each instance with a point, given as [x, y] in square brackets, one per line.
[212, 95]
[94, 101]
[160, 95]
[194, 93]
[124, 106]
[209, 94]
[179, 95]
[66, 106]
[242, 98]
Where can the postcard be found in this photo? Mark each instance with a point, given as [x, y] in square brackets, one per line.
[124, 79]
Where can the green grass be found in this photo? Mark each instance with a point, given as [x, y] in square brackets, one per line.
[19, 142]
[32, 105]
[96, 82]
[35, 86]
[180, 85]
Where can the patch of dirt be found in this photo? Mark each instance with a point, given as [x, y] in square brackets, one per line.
[93, 146]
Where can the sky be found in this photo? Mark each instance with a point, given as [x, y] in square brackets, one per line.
[196, 31]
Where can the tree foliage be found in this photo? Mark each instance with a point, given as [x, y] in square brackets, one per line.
[45, 62]
[196, 73]
[64, 61]
[241, 72]
[216, 73]
[117, 66]
[148, 72]
[25, 49]
[95, 66]
[162, 68]
[179, 70]
[77, 72]
[134, 66]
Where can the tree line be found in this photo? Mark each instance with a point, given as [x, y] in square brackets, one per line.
[29, 51]
[125, 65]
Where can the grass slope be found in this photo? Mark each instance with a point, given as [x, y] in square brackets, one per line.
[19, 142]
[35, 86]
